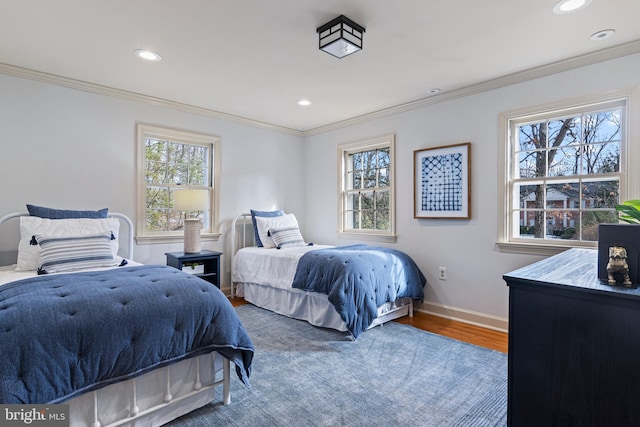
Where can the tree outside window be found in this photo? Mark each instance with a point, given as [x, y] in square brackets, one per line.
[566, 174]
[170, 166]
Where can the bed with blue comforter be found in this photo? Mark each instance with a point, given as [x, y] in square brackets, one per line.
[63, 335]
[358, 279]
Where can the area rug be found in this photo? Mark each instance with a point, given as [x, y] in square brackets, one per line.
[392, 375]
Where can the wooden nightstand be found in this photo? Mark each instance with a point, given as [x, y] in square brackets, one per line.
[209, 260]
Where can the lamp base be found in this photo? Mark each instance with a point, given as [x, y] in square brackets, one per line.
[192, 236]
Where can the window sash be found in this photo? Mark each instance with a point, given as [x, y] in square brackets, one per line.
[585, 211]
[367, 187]
[362, 206]
[181, 160]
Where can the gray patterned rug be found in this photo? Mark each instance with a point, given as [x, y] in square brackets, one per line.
[394, 375]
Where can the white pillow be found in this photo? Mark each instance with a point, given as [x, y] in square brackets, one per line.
[29, 255]
[66, 253]
[265, 223]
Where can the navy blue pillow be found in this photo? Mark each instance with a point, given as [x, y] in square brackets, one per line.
[268, 214]
[51, 213]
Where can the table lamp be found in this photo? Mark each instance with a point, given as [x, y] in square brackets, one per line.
[191, 200]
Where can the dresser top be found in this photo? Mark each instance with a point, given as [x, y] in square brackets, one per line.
[574, 268]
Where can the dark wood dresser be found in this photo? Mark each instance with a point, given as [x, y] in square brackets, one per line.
[574, 345]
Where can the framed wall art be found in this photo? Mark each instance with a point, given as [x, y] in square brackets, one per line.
[442, 182]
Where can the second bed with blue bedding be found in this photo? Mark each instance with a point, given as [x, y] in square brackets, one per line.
[358, 279]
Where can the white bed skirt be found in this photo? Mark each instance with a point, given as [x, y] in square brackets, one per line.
[156, 397]
[313, 307]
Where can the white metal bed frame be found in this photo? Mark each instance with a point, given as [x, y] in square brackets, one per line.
[245, 220]
[178, 397]
[240, 238]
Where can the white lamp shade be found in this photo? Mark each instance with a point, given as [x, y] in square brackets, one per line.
[191, 200]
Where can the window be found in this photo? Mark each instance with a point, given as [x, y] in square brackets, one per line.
[565, 173]
[367, 188]
[169, 160]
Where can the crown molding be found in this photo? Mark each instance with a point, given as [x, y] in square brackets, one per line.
[497, 83]
[40, 76]
[500, 82]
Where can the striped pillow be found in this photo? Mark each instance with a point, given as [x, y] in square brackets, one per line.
[65, 253]
[286, 237]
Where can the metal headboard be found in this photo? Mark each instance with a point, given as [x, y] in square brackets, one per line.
[242, 236]
[119, 216]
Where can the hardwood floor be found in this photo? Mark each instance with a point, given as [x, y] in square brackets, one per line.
[461, 331]
[472, 334]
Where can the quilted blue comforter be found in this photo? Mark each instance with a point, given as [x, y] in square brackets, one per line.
[66, 334]
[358, 279]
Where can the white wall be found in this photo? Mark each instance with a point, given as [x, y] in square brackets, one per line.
[467, 248]
[68, 148]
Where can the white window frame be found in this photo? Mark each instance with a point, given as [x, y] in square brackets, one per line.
[211, 228]
[629, 156]
[386, 141]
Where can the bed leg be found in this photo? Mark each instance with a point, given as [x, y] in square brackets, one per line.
[167, 396]
[95, 423]
[134, 399]
[198, 383]
[226, 381]
[410, 307]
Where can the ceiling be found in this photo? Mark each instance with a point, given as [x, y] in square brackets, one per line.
[256, 59]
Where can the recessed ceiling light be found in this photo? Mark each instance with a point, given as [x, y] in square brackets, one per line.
[147, 54]
[304, 102]
[433, 91]
[604, 34]
[569, 6]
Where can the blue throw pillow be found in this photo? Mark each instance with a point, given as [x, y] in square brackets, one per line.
[51, 213]
[268, 214]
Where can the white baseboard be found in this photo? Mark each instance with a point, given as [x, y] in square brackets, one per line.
[459, 314]
[467, 316]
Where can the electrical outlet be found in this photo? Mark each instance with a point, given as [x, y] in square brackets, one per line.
[442, 273]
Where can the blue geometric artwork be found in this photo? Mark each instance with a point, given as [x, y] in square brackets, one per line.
[441, 180]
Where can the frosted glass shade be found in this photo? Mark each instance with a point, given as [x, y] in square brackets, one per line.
[340, 37]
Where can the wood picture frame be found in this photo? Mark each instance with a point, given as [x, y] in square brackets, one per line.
[442, 182]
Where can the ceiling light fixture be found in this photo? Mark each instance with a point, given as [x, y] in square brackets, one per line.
[304, 102]
[603, 34]
[147, 54]
[569, 6]
[433, 91]
[340, 37]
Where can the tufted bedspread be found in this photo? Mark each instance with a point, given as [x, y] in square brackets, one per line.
[358, 279]
[66, 334]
